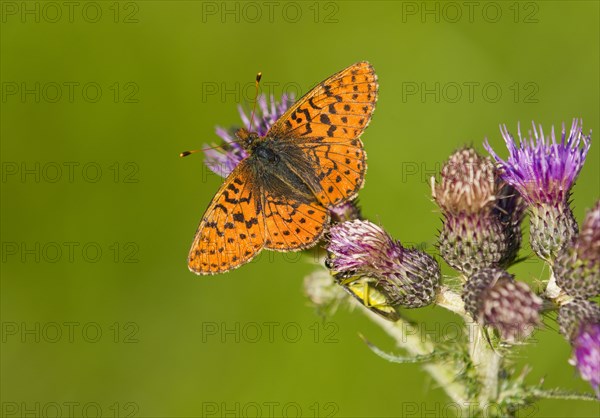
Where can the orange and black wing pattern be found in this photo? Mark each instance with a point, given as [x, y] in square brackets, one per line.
[231, 232]
[327, 124]
[322, 135]
[291, 225]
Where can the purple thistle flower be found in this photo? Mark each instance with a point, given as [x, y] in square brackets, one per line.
[542, 170]
[407, 277]
[361, 245]
[224, 159]
[586, 354]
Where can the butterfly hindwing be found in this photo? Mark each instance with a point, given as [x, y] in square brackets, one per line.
[341, 169]
[292, 225]
[231, 232]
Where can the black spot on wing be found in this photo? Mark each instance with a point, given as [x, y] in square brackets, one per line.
[312, 104]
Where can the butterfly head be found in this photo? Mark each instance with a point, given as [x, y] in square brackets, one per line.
[247, 139]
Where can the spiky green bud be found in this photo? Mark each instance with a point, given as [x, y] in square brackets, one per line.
[577, 266]
[551, 228]
[578, 311]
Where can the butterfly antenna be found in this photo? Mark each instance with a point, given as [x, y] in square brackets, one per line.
[186, 153]
[258, 77]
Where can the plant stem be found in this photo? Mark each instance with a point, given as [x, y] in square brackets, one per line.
[487, 364]
[415, 343]
[452, 301]
[485, 359]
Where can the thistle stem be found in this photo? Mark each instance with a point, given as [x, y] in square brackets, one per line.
[487, 364]
[452, 301]
[415, 343]
[486, 360]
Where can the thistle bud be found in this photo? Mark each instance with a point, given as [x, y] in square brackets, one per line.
[571, 315]
[482, 215]
[550, 229]
[494, 298]
[577, 267]
[510, 209]
[404, 277]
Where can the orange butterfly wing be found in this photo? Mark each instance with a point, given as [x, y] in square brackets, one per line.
[231, 232]
[291, 225]
[341, 170]
[327, 123]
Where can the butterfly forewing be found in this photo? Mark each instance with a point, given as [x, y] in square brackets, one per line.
[326, 124]
[231, 232]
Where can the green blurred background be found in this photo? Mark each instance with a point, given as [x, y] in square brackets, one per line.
[88, 173]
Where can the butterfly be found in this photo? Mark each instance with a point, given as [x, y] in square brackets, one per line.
[278, 197]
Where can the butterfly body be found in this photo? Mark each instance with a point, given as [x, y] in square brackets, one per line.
[278, 197]
[285, 171]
